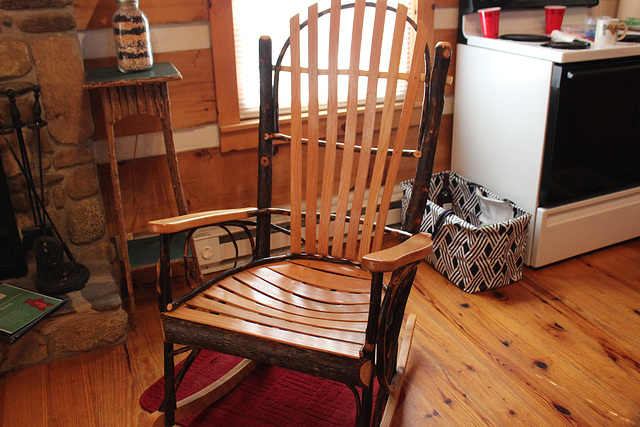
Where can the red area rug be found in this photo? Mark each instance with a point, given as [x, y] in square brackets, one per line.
[270, 396]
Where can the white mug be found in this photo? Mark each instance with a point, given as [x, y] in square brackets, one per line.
[608, 31]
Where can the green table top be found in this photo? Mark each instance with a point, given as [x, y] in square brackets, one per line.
[111, 76]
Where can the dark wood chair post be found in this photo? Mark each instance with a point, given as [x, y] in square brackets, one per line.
[164, 276]
[428, 137]
[265, 149]
[377, 283]
[164, 301]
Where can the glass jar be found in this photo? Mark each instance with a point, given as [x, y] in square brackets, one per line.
[131, 32]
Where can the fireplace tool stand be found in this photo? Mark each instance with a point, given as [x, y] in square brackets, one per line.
[53, 275]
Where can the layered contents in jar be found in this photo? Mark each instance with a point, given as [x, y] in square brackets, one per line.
[133, 48]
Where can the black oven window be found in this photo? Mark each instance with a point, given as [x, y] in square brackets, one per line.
[593, 135]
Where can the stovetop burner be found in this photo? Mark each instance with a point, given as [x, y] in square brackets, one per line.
[574, 45]
[534, 38]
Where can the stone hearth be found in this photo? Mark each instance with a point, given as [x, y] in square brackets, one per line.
[91, 318]
[39, 45]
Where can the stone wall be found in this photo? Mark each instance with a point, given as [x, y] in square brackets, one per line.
[39, 46]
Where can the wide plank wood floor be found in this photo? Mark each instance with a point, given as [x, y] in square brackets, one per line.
[560, 347]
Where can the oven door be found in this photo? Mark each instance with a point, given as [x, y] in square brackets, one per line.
[593, 133]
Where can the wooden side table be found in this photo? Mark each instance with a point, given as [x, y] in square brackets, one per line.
[126, 94]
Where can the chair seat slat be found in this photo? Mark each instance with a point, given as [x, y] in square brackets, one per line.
[331, 330]
[245, 293]
[279, 294]
[235, 306]
[308, 291]
[323, 279]
[266, 332]
[342, 269]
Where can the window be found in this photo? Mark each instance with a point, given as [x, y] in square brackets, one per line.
[235, 56]
[254, 18]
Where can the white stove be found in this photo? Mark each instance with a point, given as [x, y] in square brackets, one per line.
[557, 131]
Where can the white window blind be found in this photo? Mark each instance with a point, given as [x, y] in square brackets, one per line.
[255, 18]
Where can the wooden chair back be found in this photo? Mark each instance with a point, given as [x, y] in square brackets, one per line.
[344, 184]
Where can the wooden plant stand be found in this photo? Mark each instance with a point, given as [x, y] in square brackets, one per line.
[129, 94]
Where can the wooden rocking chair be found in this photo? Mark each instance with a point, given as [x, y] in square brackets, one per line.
[334, 305]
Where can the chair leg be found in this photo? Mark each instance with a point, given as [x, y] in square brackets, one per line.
[364, 418]
[169, 386]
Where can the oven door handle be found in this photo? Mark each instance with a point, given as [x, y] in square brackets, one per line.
[574, 74]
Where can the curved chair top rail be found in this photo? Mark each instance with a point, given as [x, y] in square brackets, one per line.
[278, 67]
[287, 43]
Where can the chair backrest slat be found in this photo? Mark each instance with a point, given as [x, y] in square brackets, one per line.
[328, 174]
[296, 139]
[367, 130]
[402, 130]
[350, 130]
[385, 131]
[340, 205]
[313, 132]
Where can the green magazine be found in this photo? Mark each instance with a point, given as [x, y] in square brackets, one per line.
[21, 309]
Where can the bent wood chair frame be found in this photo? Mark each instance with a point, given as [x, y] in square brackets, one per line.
[360, 262]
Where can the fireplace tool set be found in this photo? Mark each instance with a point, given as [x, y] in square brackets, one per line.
[53, 275]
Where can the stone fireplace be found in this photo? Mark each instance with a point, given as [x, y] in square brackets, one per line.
[39, 46]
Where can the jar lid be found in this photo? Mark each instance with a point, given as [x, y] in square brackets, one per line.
[127, 1]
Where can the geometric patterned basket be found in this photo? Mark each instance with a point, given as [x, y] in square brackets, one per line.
[473, 257]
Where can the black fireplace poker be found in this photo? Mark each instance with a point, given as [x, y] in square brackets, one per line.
[54, 276]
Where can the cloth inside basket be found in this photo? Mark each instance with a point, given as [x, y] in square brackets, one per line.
[493, 210]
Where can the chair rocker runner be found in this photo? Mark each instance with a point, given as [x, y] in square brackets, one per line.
[334, 305]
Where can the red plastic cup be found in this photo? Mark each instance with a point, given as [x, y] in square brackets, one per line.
[490, 20]
[553, 18]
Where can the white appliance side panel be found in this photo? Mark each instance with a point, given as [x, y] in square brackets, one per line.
[499, 121]
[580, 227]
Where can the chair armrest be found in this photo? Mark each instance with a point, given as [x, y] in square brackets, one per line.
[200, 219]
[413, 249]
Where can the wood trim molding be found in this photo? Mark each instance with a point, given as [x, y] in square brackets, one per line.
[224, 63]
[96, 14]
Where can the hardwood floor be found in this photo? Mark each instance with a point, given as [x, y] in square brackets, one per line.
[559, 347]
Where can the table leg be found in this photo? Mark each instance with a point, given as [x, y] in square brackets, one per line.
[121, 242]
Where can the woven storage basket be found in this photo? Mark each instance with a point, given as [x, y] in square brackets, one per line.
[472, 256]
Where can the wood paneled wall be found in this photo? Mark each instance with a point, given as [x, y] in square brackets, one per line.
[192, 99]
[205, 171]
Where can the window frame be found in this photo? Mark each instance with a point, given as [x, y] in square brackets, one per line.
[237, 134]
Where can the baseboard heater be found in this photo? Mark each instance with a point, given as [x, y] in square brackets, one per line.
[216, 251]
